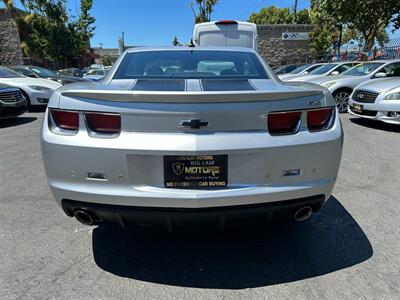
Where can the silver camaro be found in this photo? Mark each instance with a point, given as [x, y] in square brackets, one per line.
[185, 135]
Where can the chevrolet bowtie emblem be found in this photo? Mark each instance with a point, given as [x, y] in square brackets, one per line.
[193, 123]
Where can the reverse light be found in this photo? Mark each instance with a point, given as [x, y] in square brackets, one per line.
[103, 122]
[65, 120]
[319, 119]
[284, 122]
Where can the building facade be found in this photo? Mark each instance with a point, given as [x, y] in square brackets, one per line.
[284, 43]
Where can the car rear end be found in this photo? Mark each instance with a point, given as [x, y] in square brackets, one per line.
[165, 152]
[225, 33]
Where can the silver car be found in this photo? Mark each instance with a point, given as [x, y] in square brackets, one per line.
[377, 100]
[180, 135]
[342, 86]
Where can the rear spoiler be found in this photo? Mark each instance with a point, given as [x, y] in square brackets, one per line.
[189, 97]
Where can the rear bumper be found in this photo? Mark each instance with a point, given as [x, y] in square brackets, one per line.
[133, 167]
[226, 216]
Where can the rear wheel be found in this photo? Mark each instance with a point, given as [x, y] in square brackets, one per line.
[342, 99]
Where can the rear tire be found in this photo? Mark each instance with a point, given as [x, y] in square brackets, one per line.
[342, 97]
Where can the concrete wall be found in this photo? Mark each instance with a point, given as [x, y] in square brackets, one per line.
[277, 51]
[10, 51]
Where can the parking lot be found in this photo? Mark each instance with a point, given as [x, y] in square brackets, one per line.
[350, 249]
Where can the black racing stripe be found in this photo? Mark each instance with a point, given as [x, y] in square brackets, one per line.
[159, 85]
[226, 85]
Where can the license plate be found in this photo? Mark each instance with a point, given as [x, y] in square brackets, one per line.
[196, 172]
[357, 107]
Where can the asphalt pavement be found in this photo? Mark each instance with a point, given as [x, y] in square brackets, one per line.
[350, 249]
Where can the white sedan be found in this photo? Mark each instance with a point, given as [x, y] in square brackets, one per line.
[37, 91]
[377, 100]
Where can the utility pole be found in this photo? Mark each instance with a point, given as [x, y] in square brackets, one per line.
[295, 11]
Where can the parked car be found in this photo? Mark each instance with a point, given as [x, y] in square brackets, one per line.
[159, 141]
[377, 99]
[328, 69]
[342, 86]
[12, 102]
[39, 72]
[75, 72]
[225, 33]
[37, 91]
[300, 71]
[287, 69]
[95, 74]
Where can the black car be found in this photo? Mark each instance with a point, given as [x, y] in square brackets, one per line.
[39, 72]
[12, 102]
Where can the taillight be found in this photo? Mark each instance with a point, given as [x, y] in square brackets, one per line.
[64, 119]
[104, 123]
[283, 122]
[319, 119]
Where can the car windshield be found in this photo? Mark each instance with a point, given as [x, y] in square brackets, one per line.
[190, 64]
[323, 69]
[363, 69]
[42, 72]
[7, 73]
[299, 69]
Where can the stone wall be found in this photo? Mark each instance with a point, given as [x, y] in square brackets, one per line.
[277, 51]
[10, 50]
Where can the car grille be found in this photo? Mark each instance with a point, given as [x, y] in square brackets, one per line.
[10, 97]
[364, 96]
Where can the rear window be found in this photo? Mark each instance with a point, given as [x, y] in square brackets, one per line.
[190, 64]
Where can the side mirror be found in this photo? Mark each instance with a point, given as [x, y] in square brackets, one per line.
[31, 75]
[305, 73]
[380, 75]
[334, 73]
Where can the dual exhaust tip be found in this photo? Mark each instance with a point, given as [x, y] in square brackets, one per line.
[86, 218]
[303, 213]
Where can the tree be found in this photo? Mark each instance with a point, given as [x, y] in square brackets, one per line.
[276, 15]
[369, 17]
[176, 42]
[202, 10]
[47, 31]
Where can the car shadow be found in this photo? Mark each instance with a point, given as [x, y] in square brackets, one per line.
[331, 240]
[17, 121]
[376, 124]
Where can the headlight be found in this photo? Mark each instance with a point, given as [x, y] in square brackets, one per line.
[392, 96]
[40, 88]
[328, 84]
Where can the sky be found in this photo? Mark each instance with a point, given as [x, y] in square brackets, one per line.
[156, 22]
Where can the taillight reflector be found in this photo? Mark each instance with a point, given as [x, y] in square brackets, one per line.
[283, 122]
[319, 119]
[64, 119]
[104, 123]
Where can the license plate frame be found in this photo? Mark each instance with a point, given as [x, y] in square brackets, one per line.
[357, 107]
[196, 171]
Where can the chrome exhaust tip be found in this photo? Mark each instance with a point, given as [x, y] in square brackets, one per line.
[83, 217]
[303, 214]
